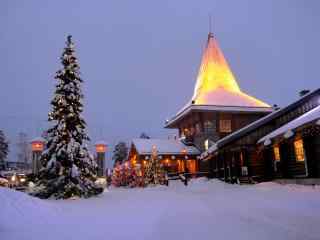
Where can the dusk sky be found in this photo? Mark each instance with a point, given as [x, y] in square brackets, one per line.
[139, 59]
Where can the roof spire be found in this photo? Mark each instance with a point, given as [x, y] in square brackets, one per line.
[210, 26]
[216, 84]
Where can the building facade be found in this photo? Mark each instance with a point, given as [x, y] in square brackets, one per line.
[284, 144]
[172, 154]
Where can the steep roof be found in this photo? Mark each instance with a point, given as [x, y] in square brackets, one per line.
[216, 84]
[163, 146]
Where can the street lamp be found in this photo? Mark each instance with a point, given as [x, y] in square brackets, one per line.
[37, 146]
[101, 148]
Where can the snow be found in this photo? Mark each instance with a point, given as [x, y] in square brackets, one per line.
[191, 107]
[202, 210]
[101, 143]
[38, 139]
[163, 146]
[286, 129]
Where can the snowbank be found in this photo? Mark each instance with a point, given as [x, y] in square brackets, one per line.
[202, 210]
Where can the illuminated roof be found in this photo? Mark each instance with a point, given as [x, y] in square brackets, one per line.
[217, 86]
[164, 146]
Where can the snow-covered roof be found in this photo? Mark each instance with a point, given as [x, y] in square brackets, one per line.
[312, 115]
[38, 139]
[163, 146]
[235, 109]
[258, 123]
[216, 84]
[101, 143]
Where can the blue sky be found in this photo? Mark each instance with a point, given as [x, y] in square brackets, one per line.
[139, 59]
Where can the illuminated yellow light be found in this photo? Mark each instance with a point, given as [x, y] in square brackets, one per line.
[276, 152]
[101, 148]
[215, 79]
[37, 146]
[299, 150]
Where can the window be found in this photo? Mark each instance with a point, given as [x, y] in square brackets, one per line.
[276, 153]
[225, 126]
[208, 126]
[298, 149]
[206, 144]
[186, 132]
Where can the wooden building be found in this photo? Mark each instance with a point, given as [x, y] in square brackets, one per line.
[173, 154]
[218, 107]
[283, 144]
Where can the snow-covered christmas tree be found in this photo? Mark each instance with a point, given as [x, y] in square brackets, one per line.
[68, 168]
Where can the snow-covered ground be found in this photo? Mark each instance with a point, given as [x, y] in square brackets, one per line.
[202, 210]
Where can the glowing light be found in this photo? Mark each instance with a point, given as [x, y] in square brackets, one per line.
[216, 83]
[37, 146]
[184, 151]
[101, 148]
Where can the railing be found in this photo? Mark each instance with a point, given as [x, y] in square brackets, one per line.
[175, 175]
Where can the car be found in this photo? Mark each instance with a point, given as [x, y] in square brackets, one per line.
[16, 180]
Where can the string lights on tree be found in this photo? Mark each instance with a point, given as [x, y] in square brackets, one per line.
[68, 170]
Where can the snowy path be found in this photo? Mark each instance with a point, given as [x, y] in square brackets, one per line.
[204, 210]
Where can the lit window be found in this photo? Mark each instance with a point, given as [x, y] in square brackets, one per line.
[276, 152]
[206, 144]
[225, 126]
[298, 149]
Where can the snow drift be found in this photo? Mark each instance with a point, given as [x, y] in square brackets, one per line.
[202, 210]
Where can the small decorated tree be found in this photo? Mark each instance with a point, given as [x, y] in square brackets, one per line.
[68, 168]
[154, 173]
[125, 175]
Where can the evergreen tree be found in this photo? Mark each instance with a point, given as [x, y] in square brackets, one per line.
[144, 136]
[154, 173]
[68, 168]
[4, 149]
[120, 153]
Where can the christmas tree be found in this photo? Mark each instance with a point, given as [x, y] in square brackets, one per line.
[68, 168]
[154, 173]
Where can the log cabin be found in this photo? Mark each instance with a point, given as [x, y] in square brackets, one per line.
[172, 154]
[283, 144]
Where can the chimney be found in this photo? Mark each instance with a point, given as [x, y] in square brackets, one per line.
[304, 92]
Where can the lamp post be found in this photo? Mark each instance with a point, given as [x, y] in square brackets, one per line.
[101, 148]
[37, 146]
